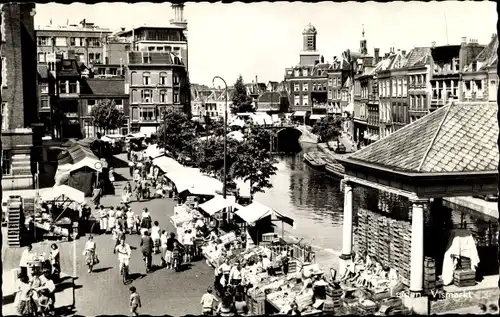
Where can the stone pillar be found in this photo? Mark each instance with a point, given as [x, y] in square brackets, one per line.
[417, 246]
[346, 255]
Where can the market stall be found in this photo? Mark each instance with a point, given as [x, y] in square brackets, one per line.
[257, 220]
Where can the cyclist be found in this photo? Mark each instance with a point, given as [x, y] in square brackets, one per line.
[124, 252]
[147, 250]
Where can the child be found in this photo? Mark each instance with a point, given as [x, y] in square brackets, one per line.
[135, 301]
[207, 302]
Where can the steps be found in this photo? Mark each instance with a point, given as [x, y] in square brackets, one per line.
[14, 211]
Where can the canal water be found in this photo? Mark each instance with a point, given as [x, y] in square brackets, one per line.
[313, 198]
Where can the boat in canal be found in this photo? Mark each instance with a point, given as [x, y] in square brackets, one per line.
[315, 159]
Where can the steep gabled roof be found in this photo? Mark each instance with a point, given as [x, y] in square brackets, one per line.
[457, 138]
[416, 55]
[103, 86]
[489, 55]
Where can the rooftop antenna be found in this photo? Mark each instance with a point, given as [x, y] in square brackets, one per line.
[446, 28]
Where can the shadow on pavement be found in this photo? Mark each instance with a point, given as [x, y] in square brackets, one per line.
[185, 267]
[117, 163]
[9, 299]
[134, 276]
[102, 269]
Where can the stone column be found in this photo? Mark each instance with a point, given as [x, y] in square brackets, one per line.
[346, 255]
[417, 246]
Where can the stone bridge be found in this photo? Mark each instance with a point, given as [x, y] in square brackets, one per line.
[287, 138]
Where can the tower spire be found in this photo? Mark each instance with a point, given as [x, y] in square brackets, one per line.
[363, 32]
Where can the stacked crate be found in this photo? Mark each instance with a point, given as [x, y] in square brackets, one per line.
[336, 296]
[372, 232]
[429, 275]
[14, 207]
[257, 305]
[384, 239]
[465, 263]
[463, 278]
[406, 252]
[361, 233]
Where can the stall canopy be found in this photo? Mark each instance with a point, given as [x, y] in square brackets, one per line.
[205, 185]
[184, 178]
[167, 164]
[299, 113]
[63, 192]
[257, 211]
[316, 116]
[154, 151]
[217, 204]
[243, 188]
[237, 122]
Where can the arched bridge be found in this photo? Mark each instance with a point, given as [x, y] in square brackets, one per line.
[287, 138]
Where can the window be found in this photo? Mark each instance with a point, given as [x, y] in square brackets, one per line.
[91, 57]
[4, 71]
[296, 87]
[163, 96]
[296, 100]
[159, 48]
[176, 79]
[424, 103]
[42, 41]
[146, 59]
[412, 102]
[98, 58]
[168, 48]
[95, 42]
[306, 86]
[61, 41]
[44, 88]
[151, 48]
[163, 79]
[330, 82]
[146, 79]
[305, 100]
[72, 41]
[405, 87]
[6, 162]
[479, 84]
[78, 41]
[417, 102]
[147, 114]
[394, 87]
[119, 103]
[5, 116]
[400, 87]
[41, 57]
[424, 79]
[176, 97]
[297, 73]
[146, 95]
[305, 72]
[412, 80]
[44, 104]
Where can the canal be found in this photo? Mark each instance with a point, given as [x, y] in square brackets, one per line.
[313, 198]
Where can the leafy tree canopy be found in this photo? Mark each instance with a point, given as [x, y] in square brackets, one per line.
[105, 114]
[241, 101]
[328, 128]
[178, 132]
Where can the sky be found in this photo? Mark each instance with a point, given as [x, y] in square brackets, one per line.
[262, 39]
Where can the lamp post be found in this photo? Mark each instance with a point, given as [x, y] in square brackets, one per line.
[225, 135]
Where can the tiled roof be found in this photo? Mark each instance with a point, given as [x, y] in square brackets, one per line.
[270, 97]
[457, 138]
[416, 54]
[489, 55]
[101, 86]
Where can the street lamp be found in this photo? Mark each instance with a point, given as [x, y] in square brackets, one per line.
[225, 135]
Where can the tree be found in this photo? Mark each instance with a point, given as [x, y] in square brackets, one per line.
[241, 101]
[106, 115]
[178, 132]
[328, 128]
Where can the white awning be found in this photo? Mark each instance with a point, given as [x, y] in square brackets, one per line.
[205, 185]
[87, 162]
[256, 211]
[237, 122]
[184, 178]
[63, 190]
[167, 164]
[299, 113]
[237, 135]
[243, 188]
[148, 131]
[153, 151]
[216, 204]
[317, 116]
[349, 108]
[136, 135]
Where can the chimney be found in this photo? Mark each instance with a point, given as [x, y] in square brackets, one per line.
[433, 43]
[316, 62]
[403, 52]
[376, 54]
[322, 59]
[493, 36]
[464, 40]
[386, 55]
[122, 28]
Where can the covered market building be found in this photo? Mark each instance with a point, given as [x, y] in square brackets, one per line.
[451, 152]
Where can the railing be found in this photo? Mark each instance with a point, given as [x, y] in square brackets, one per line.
[302, 253]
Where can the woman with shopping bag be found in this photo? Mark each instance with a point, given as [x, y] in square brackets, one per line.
[90, 254]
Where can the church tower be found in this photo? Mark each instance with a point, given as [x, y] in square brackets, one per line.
[362, 44]
[309, 55]
[178, 19]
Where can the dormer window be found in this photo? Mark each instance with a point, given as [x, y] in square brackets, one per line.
[297, 73]
[305, 72]
[474, 66]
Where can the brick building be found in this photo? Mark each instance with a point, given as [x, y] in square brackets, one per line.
[96, 90]
[85, 40]
[337, 77]
[419, 64]
[19, 95]
[308, 81]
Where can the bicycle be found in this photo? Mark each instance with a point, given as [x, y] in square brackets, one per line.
[146, 258]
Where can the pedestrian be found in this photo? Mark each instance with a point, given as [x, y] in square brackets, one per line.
[235, 275]
[103, 219]
[138, 191]
[130, 220]
[240, 305]
[90, 253]
[135, 301]
[131, 167]
[155, 235]
[126, 194]
[170, 248]
[55, 261]
[118, 235]
[163, 243]
[111, 218]
[145, 220]
[226, 306]
[111, 175]
[26, 257]
[207, 302]
[147, 250]
[188, 244]
[96, 195]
